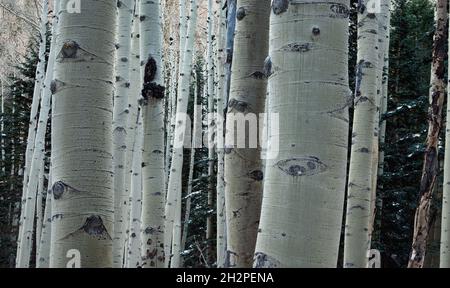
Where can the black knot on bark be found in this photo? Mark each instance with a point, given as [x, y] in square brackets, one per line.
[69, 49]
[280, 6]
[240, 13]
[58, 189]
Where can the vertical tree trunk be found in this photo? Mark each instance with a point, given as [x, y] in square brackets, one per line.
[221, 246]
[243, 166]
[82, 180]
[133, 105]
[423, 219]
[134, 237]
[360, 179]
[120, 131]
[304, 182]
[174, 186]
[26, 224]
[153, 198]
[211, 133]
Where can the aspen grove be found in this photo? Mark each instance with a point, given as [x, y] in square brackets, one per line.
[224, 134]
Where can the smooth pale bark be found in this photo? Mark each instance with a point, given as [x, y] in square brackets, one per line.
[131, 122]
[39, 198]
[243, 165]
[383, 110]
[133, 244]
[195, 136]
[360, 179]
[120, 116]
[82, 176]
[423, 219]
[174, 185]
[153, 198]
[26, 224]
[211, 132]
[43, 253]
[444, 261]
[304, 182]
[221, 246]
[134, 236]
[382, 18]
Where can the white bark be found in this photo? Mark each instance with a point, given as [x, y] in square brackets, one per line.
[174, 186]
[82, 176]
[43, 254]
[220, 203]
[304, 182]
[243, 166]
[211, 130]
[134, 237]
[152, 229]
[25, 238]
[361, 171]
[120, 116]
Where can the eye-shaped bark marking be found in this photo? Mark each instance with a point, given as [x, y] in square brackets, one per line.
[340, 11]
[302, 166]
[268, 66]
[94, 226]
[240, 13]
[55, 85]
[59, 188]
[239, 106]
[69, 49]
[262, 260]
[298, 47]
[280, 6]
[256, 175]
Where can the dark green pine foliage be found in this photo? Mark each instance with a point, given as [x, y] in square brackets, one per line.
[18, 98]
[412, 30]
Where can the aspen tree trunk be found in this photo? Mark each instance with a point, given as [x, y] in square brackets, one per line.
[133, 244]
[43, 254]
[171, 102]
[38, 86]
[174, 185]
[383, 109]
[382, 18]
[135, 85]
[134, 239]
[211, 132]
[195, 137]
[25, 237]
[39, 195]
[422, 220]
[221, 246]
[360, 179]
[304, 182]
[243, 167]
[2, 128]
[152, 250]
[120, 131]
[82, 179]
[444, 254]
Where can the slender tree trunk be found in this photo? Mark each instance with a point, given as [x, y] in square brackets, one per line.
[120, 131]
[152, 229]
[195, 137]
[211, 133]
[26, 224]
[360, 179]
[39, 195]
[82, 182]
[423, 219]
[221, 246]
[135, 85]
[174, 186]
[444, 255]
[243, 166]
[43, 254]
[134, 239]
[304, 179]
[383, 110]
